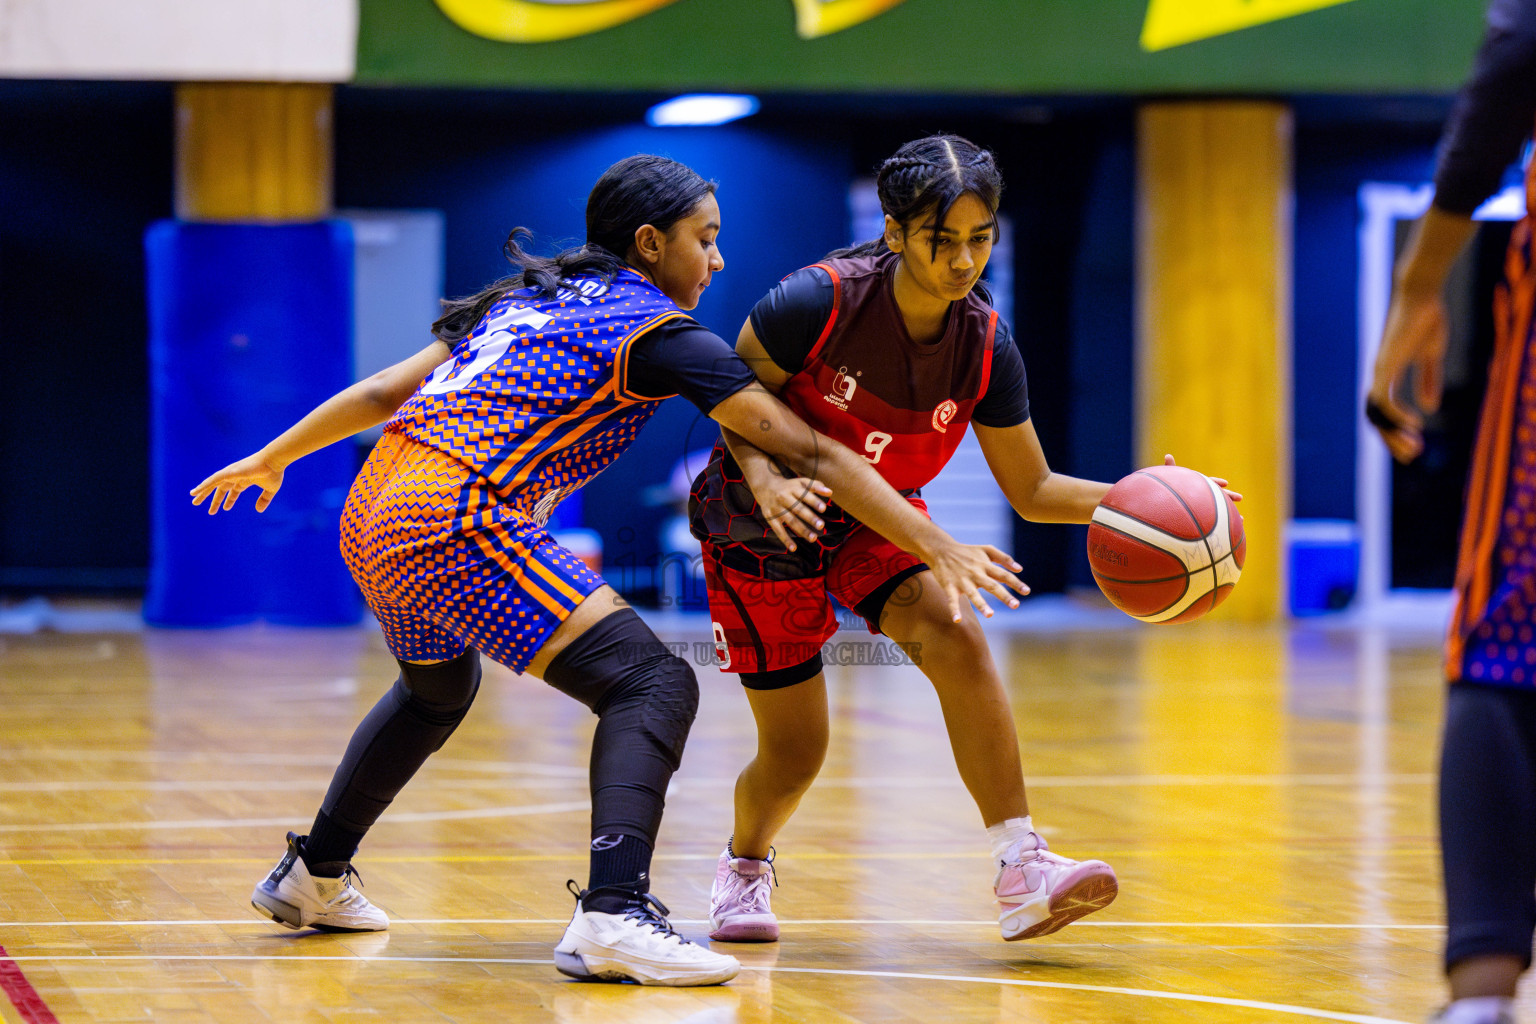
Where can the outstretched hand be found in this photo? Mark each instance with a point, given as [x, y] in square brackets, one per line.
[965, 570]
[1219, 481]
[227, 484]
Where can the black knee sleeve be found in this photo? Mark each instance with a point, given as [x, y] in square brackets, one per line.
[439, 695]
[646, 699]
[618, 666]
[410, 722]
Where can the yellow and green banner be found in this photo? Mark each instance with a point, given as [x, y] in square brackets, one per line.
[963, 46]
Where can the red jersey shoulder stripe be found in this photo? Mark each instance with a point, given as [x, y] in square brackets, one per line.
[837, 302]
[986, 356]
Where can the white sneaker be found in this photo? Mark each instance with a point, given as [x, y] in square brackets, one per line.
[294, 898]
[638, 944]
[1040, 892]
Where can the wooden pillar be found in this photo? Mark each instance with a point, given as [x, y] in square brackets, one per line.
[253, 152]
[1214, 323]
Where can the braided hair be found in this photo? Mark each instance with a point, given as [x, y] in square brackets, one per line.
[636, 191]
[927, 176]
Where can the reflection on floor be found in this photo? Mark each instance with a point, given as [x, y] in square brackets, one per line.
[1264, 793]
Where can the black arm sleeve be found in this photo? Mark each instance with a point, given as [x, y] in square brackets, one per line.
[1006, 403]
[679, 357]
[790, 318]
[1493, 113]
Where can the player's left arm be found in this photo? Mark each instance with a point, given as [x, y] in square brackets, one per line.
[1003, 425]
[1035, 492]
[365, 404]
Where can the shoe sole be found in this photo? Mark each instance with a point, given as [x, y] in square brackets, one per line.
[289, 916]
[573, 965]
[283, 913]
[1094, 892]
[747, 931]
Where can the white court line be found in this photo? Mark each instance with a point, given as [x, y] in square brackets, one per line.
[863, 921]
[1186, 997]
[165, 786]
[267, 785]
[171, 757]
[551, 775]
[580, 771]
[569, 807]
[1411, 778]
[326, 761]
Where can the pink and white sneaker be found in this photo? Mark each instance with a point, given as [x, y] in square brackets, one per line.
[738, 901]
[1041, 892]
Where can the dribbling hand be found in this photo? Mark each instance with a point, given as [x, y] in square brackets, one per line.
[227, 484]
[1168, 461]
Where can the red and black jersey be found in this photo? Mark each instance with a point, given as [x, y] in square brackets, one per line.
[859, 378]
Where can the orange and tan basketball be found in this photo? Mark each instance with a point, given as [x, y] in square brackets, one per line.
[1166, 544]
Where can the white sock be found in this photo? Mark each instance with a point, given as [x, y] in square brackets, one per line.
[1005, 834]
[1478, 1010]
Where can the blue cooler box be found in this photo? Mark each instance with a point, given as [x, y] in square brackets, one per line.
[1324, 565]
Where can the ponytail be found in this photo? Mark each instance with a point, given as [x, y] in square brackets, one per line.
[634, 192]
[545, 274]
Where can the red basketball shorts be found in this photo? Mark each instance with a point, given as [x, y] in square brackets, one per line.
[445, 565]
[779, 626]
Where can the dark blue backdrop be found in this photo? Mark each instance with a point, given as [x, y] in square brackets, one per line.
[1334, 156]
[85, 168]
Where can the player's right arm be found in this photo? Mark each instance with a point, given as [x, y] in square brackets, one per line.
[1491, 119]
[1416, 332]
[365, 404]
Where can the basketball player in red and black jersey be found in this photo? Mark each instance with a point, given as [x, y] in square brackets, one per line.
[888, 348]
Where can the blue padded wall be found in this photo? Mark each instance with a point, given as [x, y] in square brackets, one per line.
[250, 328]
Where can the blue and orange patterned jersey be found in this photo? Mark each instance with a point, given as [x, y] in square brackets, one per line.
[533, 400]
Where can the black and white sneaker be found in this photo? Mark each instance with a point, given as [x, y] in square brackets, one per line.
[637, 944]
[294, 898]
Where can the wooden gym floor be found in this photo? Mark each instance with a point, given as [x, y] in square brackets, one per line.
[1265, 794]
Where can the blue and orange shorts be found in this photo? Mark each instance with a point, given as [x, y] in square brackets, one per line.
[444, 564]
[772, 629]
[1492, 636]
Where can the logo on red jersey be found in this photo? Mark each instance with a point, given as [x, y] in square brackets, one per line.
[843, 387]
[943, 414]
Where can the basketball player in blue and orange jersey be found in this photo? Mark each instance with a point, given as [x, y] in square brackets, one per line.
[1488, 762]
[891, 349]
[533, 387]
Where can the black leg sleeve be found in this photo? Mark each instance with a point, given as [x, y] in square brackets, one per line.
[1488, 822]
[645, 698]
[408, 724]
